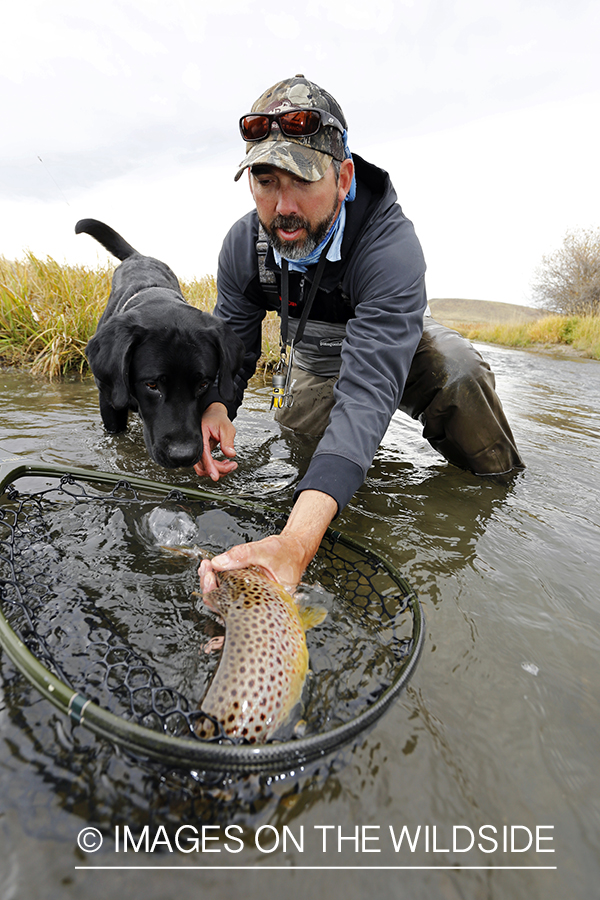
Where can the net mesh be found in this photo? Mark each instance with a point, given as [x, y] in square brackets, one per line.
[75, 559]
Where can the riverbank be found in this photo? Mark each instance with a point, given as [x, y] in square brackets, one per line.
[564, 335]
[520, 327]
[49, 311]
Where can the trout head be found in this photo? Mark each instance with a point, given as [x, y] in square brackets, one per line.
[240, 588]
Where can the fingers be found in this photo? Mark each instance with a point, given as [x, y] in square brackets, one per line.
[237, 557]
[208, 467]
[217, 429]
[215, 643]
[227, 437]
[208, 578]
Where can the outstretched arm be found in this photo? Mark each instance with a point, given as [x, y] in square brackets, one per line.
[283, 556]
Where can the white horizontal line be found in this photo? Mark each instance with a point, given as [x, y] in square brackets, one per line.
[314, 868]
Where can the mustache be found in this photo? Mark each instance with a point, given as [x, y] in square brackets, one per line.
[289, 223]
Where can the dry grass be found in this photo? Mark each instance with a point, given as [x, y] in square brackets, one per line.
[270, 343]
[454, 311]
[49, 311]
[201, 292]
[582, 333]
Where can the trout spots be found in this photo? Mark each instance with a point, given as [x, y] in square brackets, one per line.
[264, 660]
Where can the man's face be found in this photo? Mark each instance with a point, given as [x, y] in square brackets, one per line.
[296, 214]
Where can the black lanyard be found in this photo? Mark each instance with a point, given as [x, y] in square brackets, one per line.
[283, 370]
[285, 297]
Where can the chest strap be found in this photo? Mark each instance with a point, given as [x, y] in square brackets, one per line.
[267, 279]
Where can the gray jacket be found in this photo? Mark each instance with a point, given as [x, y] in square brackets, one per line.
[377, 290]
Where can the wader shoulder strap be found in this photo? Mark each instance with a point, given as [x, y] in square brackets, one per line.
[267, 279]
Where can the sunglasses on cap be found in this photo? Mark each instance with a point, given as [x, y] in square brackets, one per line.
[293, 123]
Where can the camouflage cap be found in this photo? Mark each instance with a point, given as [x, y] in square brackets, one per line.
[307, 157]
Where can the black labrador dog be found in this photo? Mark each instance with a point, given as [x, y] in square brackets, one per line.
[155, 354]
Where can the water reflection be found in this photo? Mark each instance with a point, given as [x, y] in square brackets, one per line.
[502, 719]
[434, 514]
[98, 784]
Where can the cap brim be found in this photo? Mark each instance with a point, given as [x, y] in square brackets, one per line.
[299, 159]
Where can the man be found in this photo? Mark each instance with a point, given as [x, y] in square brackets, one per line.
[340, 251]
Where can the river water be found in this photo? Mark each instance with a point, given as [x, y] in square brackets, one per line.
[489, 757]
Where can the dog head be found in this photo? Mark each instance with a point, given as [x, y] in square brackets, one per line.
[160, 360]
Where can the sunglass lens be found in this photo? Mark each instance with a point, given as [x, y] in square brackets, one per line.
[254, 128]
[301, 122]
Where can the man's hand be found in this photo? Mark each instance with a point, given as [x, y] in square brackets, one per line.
[216, 429]
[282, 559]
[285, 556]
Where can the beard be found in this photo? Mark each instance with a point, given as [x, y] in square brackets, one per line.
[301, 248]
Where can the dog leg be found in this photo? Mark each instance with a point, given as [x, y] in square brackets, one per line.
[114, 420]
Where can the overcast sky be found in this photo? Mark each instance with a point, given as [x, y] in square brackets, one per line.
[486, 113]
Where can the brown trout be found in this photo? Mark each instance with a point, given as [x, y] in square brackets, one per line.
[264, 661]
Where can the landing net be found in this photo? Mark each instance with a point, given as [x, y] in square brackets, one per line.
[103, 622]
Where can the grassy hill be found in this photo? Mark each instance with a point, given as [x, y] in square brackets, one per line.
[481, 312]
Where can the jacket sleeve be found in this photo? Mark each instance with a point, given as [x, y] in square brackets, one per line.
[386, 285]
[238, 300]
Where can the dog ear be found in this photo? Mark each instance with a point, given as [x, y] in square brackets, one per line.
[231, 356]
[109, 355]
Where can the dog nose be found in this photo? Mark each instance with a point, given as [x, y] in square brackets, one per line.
[183, 454]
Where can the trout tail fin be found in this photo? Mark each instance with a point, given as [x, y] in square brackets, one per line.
[311, 616]
[193, 552]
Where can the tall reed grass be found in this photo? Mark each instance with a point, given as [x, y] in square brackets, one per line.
[49, 311]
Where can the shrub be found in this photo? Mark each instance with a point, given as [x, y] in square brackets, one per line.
[568, 280]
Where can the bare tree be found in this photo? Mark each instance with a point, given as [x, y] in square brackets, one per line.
[568, 280]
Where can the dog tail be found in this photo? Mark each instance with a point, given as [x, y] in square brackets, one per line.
[106, 236]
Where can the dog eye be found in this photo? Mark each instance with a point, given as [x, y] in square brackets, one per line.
[152, 385]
